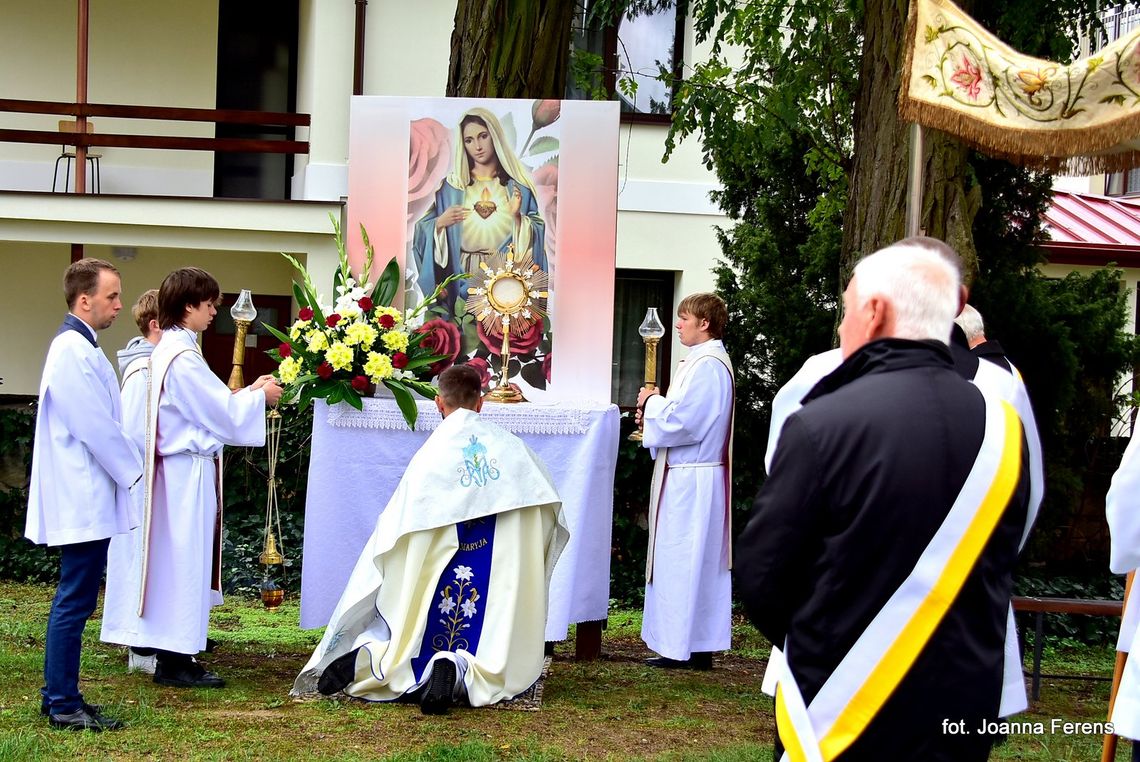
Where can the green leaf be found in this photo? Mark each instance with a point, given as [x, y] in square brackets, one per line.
[405, 402]
[279, 335]
[423, 388]
[545, 144]
[420, 362]
[460, 307]
[386, 287]
[352, 397]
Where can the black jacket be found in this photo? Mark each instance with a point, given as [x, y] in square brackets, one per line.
[865, 474]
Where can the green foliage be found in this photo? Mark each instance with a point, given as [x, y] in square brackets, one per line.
[1071, 630]
[19, 558]
[245, 493]
[1066, 336]
[630, 539]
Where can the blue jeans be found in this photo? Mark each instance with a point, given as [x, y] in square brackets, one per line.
[81, 568]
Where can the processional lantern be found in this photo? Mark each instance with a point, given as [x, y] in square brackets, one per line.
[651, 331]
[243, 314]
[511, 300]
[271, 558]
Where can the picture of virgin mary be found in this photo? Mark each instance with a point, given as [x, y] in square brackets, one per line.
[485, 205]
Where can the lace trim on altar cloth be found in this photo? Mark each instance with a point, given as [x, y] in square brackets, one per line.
[568, 418]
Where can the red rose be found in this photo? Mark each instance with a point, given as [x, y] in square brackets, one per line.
[305, 313]
[285, 351]
[520, 345]
[325, 371]
[360, 383]
[365, 303]
[399, 360]
[442, 338]
[546, 367]
[479, 364]
[387, 321]
[332, 320]
[429, 157]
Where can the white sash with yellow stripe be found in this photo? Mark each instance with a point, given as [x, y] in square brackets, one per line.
[885, 652]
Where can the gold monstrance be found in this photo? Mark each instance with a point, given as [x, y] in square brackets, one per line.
[243, 314]
[651, 331]
[513, 297]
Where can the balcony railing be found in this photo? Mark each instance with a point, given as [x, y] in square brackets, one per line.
[217, 116]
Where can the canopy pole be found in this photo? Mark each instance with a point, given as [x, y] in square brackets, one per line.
[914, 181]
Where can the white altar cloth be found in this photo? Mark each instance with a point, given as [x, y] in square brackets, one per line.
[358, 458]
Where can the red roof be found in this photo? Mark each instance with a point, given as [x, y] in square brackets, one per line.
[1083, 229]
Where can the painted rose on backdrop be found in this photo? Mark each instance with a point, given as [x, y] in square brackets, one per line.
[429, 155]
[520, 345]
[479, 364]
[443, 339]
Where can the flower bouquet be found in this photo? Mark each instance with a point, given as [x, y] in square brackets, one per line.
[340, 351]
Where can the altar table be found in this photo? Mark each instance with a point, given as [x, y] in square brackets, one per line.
[358, 458]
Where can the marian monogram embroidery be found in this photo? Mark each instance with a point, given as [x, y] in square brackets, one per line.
[457, 606]
[477, 469]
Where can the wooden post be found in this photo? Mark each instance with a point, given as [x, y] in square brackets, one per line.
[914, 182]
[358, 49]
[1108, 753]
[81, 97]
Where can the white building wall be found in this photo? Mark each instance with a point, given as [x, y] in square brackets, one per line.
[140, 53]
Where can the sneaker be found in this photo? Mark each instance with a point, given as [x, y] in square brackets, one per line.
[138, 663]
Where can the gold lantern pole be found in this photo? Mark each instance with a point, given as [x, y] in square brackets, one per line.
[271, 592]
[651, 331]
[243, 314]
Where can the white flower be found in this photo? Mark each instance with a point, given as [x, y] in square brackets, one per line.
[468, 608]
[447, 605]
[462, 573]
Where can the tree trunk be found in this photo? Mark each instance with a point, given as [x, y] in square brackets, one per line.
[876, 210]
[510, 49]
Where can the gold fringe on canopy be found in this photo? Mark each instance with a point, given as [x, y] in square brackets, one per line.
[1082, 118]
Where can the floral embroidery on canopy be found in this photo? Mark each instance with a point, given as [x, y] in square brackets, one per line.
[1083, 117]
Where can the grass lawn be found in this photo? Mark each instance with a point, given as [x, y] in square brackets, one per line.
[613, 708]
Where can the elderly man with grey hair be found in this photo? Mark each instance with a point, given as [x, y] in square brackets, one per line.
[880, 552]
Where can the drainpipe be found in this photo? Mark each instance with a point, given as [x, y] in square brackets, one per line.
[358, 51]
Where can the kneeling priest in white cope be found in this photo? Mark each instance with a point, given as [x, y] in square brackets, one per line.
[448, 599]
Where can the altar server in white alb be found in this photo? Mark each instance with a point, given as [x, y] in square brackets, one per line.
[191, 414]
[688, 591]
[83, 466]
[1122, 506]
[447, 602]
[123, 557]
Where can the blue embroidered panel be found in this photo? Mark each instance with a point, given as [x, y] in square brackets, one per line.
[478, 466]
[456, 620]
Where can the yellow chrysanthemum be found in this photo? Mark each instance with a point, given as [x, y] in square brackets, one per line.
[339, 356]
[360, 333]
[378, 367]
[288, 370]
[396, 341]
[391, 312]
[318, 342]
[296, 328]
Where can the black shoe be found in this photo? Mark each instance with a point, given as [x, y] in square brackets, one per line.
[186, 674]
[338, 674]
[92, 709]
[81, 719]
[440, 688]
[701, 661]
[211, 644]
